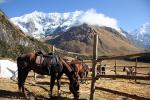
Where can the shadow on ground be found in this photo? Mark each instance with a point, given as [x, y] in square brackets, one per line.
[10, 94]
[18, 95]
[48, 83]
[63, 98]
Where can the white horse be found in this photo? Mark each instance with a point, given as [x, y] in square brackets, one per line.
[129, 70]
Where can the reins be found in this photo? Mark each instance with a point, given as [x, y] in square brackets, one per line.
[68, 67]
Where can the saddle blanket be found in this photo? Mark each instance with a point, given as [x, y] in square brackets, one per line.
[39, 60]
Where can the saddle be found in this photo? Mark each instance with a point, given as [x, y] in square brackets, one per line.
[49, 62]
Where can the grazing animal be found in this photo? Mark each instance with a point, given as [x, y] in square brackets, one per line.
[101, 69]
[80, 69]
[86, 70]
[129, 70]
[51, 65]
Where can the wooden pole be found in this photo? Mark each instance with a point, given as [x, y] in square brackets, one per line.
[53, 49]
[34, 76]
[115, 66]
[95, 47]
[135, 67]
[124, 77]
[100, 69]
[33, 71]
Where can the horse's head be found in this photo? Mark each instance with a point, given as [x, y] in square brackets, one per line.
[73, 78]
[74, 85]
[124, 69]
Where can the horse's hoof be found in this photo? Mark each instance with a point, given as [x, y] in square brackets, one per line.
[27, 98]
[76, 98]
[59, 93]
[50, 96]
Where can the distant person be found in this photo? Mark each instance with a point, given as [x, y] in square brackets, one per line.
[103, 69]
[98, 69]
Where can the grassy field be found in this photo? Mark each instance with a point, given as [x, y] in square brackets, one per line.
[110, 89]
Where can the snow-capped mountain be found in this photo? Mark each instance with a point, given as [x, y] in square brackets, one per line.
[143, 35]
[40, 25]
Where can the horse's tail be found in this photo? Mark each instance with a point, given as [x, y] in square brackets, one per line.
[19, 65]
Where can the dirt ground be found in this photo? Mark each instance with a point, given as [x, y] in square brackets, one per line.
[109, 89]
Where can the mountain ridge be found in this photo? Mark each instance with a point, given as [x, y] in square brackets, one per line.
[141, 36]
[40, 25]
[79, 39]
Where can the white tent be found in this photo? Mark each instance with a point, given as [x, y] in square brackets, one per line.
[8, 69]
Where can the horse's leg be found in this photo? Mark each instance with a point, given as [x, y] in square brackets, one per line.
[86, 75]
[59, 83]
[53, 77]
[25, 73]
[81, 77]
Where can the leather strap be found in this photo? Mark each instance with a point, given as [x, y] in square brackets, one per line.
[68, 67]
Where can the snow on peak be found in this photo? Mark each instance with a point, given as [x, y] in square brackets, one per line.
[145, 28]
[142, 34]
[39, 24]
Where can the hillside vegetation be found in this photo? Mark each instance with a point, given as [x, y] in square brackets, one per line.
[14, 42]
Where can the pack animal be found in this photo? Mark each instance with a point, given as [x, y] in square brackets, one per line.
[52, 65]
[81, 69]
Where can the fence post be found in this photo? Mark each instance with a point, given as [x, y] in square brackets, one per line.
[33, 71]
[34, 76]
[94, 69]
[53, 49]
[115, 67]
[100, 68]
[135, 67]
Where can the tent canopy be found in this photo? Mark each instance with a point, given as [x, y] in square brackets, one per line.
[8, 69]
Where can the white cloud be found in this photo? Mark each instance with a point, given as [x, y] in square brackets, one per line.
[93, 18]
[2, 1]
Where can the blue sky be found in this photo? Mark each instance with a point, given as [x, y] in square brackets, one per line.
[130, 14]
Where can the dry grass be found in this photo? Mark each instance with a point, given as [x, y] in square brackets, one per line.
[9, 91]
[119, 89]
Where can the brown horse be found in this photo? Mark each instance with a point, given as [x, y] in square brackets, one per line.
[80, 68]
[52, 65]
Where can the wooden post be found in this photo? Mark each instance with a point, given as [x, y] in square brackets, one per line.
[34, 76]
[100, 69]
[135, 67]
[94, 69]
[53, 49]
[115, 67]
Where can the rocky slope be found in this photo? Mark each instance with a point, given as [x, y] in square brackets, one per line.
[13, 41]
[80, 39]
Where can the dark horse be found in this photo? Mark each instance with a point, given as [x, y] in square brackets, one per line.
[27, 62]
[80, 68]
